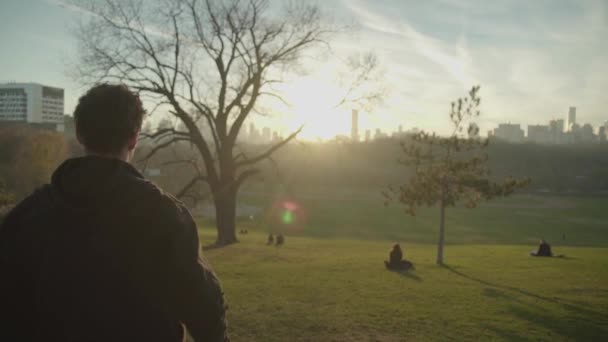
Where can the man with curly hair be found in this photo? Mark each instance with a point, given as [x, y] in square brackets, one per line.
[102, 254]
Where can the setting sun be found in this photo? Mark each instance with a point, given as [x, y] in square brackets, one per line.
[312, 102]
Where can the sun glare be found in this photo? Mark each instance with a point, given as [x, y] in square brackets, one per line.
[313, 103]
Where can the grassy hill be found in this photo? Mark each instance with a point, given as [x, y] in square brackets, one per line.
[328, 283]
[338, 290]
[520, 219]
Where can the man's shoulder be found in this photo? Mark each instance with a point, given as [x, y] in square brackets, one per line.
[161, 201]
[36, 202]
[39, 198]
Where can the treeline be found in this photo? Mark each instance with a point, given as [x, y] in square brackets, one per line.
[28, 157]
[555, 168]
[552, 168]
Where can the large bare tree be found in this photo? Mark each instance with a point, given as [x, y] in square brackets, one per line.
[207, 63]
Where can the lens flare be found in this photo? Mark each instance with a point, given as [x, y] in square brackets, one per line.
[286, 215]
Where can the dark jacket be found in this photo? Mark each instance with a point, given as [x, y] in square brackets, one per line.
[544, 249]
[396, 255]
[101, 254]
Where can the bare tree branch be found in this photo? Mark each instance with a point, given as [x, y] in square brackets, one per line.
[162, 146]
[189, 185]
[162, 133]
[244, 176]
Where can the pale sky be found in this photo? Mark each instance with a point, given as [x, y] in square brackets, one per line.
[533, 59]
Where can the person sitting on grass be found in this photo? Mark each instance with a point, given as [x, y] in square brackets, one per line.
[270, 240]
[396, 261]
[280, 239]
[544, 249]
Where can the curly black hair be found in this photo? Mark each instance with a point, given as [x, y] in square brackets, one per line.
[107, 116]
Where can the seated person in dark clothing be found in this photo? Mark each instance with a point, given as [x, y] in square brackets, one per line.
[544, 249]
[280, 239]
[270, 239]
[396, 261]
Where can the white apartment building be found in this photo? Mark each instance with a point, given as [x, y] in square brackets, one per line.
[31, 103]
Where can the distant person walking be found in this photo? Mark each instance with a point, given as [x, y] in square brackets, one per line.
[102, 254]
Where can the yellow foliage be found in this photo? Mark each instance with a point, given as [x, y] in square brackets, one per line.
[29, 157]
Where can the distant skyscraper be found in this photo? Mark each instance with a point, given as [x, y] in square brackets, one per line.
[560, 125]
[539, 133]
[354, 131]
[266, 135]
[379, 134]
[509, 132]
[602, 134]
[574, 135]
[254, 135]
[571, 117]
[556, 128]
[587, 135]
[368, 135]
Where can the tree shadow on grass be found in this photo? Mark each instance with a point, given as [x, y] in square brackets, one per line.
[503, 287]
[215, 245]
[560, 256]
[508, 335]
[212, 246]
[579, 323]
[574, 325]
[558, 326]
[493, 292]
[407, 274]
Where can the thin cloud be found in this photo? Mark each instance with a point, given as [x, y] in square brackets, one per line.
[455, 64]
[72, 7]
[533, 59]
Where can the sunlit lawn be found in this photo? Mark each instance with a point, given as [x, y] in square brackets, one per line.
[521, 219]
[328, 283]
[338, 290]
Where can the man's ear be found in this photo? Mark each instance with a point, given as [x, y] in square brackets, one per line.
[133, 141]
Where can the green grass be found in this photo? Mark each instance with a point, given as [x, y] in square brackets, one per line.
[328, 283]
[338, 290]
[521, 219]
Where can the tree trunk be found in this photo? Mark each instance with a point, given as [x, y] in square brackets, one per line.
[441, 233]
[225, 215]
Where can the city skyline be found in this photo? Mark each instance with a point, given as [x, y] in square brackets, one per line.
[25, 102]
[551, 57]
